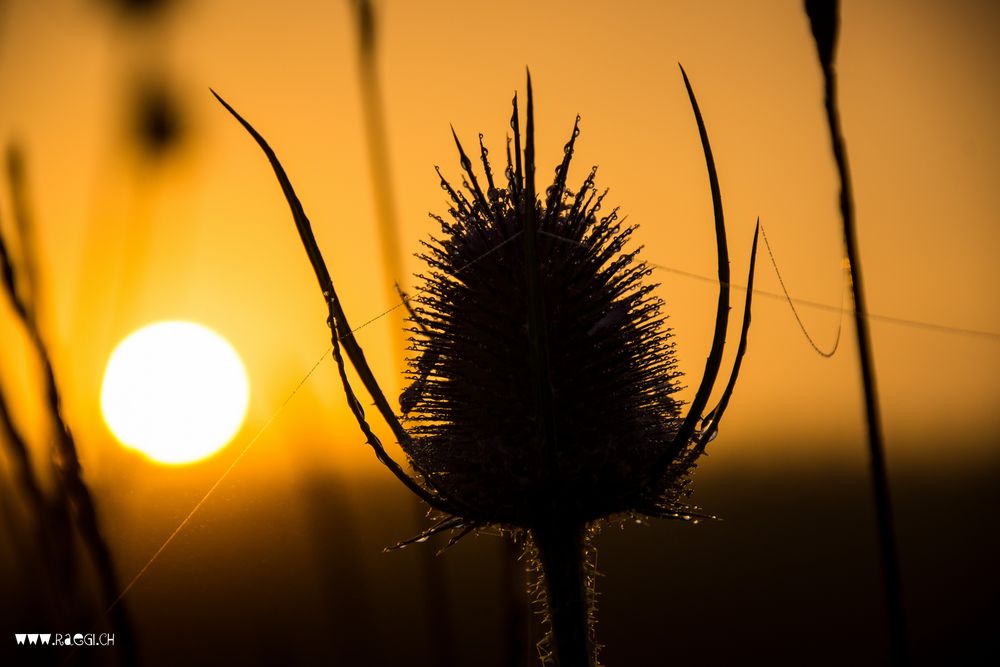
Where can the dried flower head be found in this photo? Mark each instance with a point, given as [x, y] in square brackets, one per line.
[544, 377]
[511, 432]
[543, 381]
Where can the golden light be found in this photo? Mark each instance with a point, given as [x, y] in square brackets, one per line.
[175, 391]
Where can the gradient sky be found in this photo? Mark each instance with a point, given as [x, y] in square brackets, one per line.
[205, 235]
[211, 240]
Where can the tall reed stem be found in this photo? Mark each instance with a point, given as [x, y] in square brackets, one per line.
[437, 603]
[560, 548]
[824, 20]
[21, 286]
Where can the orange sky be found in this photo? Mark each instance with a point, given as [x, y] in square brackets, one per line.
[920, 99]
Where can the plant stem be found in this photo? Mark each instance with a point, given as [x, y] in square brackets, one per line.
[513, 588]
[824, 20]
[880, 479]
[560, 549]
[376, 137]
[437, 604]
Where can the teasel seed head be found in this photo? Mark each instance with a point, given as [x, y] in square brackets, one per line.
[541, 396]
[474, 409]
[543, 376]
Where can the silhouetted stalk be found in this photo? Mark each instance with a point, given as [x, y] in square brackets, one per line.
[824, 19]
[28, 274]
[70, 485]
[50, 528]
[18, 449]
[378, 154]
[559, 541]
[560, 550]
[438, 608]
[19, 453]
[513, 589]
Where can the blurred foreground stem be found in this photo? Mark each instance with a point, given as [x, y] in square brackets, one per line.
[824, 20]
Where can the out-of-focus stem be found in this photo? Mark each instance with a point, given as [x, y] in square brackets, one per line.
[378, 157]
[824, 18]
[71, 486]
[438, 608]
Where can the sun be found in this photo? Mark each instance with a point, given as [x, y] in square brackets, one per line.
[175, 391]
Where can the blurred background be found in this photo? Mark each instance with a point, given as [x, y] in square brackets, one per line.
[150, 203]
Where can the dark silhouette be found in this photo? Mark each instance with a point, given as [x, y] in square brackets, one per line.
[72, 506]
[824, 19]
[541, 396]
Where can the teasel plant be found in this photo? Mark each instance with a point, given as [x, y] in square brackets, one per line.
[542, 398]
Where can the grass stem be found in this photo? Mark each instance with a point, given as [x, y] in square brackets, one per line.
[823, 16]
[437, 607]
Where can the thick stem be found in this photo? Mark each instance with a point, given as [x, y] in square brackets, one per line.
[561, 550]
[514, 589]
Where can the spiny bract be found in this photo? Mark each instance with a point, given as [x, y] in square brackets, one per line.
[480, 433]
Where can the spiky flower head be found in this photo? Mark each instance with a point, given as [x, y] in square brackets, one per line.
[541, 388]
[544, 376]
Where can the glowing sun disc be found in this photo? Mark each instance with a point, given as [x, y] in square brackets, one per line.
[175, 391]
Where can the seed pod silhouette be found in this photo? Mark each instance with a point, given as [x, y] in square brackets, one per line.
[543, 379]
